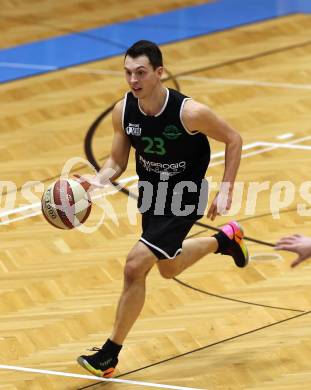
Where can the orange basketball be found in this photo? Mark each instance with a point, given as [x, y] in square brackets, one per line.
[66, 204]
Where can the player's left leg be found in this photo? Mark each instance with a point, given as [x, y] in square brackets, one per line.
[193, 249]
[229, 241]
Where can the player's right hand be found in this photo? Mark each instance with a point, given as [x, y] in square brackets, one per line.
[89, 182]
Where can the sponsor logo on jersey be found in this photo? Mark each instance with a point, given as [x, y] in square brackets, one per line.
[163, 168]
[133, 129]
[172, 132]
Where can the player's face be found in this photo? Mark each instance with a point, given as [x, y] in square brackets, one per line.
[141, 76]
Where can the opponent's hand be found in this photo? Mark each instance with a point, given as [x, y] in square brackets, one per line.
[297, 244]
[220, 205]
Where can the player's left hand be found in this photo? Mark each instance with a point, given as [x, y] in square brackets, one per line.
[220, 205]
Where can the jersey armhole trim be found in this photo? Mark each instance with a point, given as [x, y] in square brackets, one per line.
[181, 120]
[123, 110]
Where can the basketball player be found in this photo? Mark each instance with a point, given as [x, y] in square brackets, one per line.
[169, 133]
[297, 244]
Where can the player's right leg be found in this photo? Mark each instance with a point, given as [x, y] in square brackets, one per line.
[139, 262]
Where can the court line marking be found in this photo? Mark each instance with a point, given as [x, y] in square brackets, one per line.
[266, 257]
[285, 136]
[286, 146]
[16, 65]
[91, 377]
[255, 83]
[270, 146]
[38, 204]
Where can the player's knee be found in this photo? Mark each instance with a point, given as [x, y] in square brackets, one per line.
[132, 271]
[136, 266]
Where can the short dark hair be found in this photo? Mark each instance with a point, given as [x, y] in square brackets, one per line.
[148, 49]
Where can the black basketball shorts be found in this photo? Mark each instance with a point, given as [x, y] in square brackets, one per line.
[164, 235]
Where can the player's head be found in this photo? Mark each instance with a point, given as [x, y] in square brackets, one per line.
[143, 66]
[148, 49]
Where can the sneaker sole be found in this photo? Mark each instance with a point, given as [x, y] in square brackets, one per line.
[103, 374]
[245, 254]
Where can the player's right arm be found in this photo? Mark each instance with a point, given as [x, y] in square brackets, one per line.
[117, 162]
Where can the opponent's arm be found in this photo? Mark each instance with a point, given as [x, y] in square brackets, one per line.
[198, 117]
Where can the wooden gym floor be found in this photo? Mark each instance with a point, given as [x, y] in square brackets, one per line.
[216, 327]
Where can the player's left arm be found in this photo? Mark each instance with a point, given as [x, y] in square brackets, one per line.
[198, 117]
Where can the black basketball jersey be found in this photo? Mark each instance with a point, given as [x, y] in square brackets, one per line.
[164, 148]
